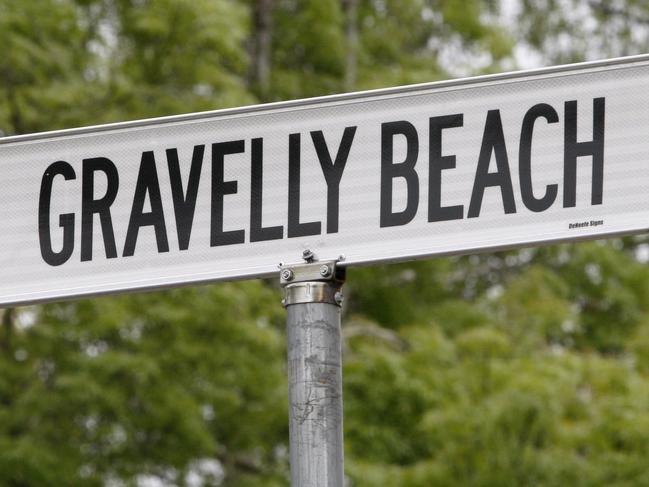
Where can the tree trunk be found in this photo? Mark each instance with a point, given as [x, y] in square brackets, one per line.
[15, 115]
[350, 9]
[7, 329]
[261, 48]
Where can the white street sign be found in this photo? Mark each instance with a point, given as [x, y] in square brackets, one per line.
[454, 167]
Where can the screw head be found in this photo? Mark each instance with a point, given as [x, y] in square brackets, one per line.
[325, 271]
[308, 255]
[287, 275]
[338, 297]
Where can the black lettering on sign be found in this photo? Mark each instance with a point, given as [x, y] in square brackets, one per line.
[493, 141]
[295, 227]
[333, 171]
[220, 188]
[525, 159]
[101, 206]
[66, 221]
[391, 170]
[437, 163]
[147, 183]
[574, 149]
[184, 202]
[257, 231]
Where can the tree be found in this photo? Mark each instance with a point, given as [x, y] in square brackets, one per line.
[173, 56]
[580, 30]
[97, 390]
[43, 64]
[526, 367]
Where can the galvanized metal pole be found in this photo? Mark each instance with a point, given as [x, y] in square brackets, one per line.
[313, 300]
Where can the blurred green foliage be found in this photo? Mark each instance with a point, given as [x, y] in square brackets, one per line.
[527, 367]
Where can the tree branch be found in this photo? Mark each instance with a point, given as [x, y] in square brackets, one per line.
[371, 330]
[619, 12]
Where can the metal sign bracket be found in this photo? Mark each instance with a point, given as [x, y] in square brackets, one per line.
[312, 282]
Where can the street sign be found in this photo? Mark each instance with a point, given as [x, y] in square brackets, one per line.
[493, 162]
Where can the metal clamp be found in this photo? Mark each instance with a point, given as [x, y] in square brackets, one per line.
[312, 282]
